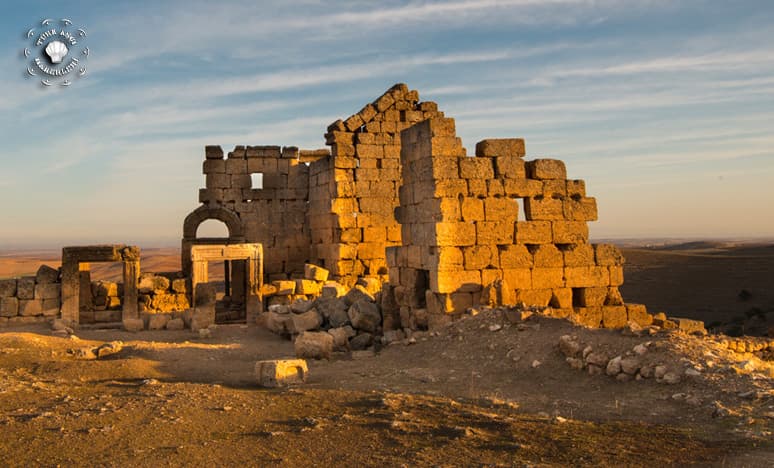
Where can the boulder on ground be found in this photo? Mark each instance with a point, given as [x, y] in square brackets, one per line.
[314, 345]
[133, 325]
[281, 372]
[202, 317]
[365, 315]
[341, 336]
[158, 321]
[175, 324]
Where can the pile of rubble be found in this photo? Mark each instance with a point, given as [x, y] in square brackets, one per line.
[323, 315]
[163, 293]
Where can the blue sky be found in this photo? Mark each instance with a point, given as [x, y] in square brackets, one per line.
[666, 108]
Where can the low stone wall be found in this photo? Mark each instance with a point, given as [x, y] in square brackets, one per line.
[30, 299]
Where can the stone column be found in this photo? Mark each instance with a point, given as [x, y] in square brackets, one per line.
[254, 301]
[198, 275]
[71, 289]
[131, 278]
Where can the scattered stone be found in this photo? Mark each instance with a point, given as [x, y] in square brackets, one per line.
[301, 306]
[205, 333]
[536, 364]
[630, 365]
[495, 327]
[671, 378]
[613, 366]
[306, 321]
[361, 341]
[365, 315]
[691, 372]
[569, 346]
[596, 359]
[640, 349]
[314, 345]
[281, 372]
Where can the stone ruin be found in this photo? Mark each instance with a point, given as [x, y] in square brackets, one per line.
[394, 227]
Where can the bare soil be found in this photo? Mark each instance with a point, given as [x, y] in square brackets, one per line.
[468, 395]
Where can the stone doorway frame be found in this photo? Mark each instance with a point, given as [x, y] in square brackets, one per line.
[77, 259]
[249, 253]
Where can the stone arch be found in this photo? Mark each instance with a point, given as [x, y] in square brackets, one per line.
[236, 232]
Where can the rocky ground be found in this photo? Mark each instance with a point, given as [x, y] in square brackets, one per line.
[482, 390]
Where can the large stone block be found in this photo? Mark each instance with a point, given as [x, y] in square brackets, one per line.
[638, 314]
[308, 287]
[547, 255]
[491, 147]
[579, 255]
[309, 320]
[314, 345]
[104, 289]
[365, 315]
[455, 281]
[51, 306]
[583, 209]
[515, 256]
[476, 168]
[494, 232]
[608, 255]
[585, 277]
[158, 321]
[534, 297]
[543, 209]
[7, 287]
[9, 307]
[522, 188]
[202, 317]
[453, 234]
[546, 169]
[281, 372]
[46, 274]
[534, 232]
[316, 273]
[25, 288]
[570, 232]
[614, 316]
[501, 209]
[30, 307]
[589, 297]
[588, 316]
[547, 278]
[48, 291]
[478, 257]
[518, 278]
[510, 167]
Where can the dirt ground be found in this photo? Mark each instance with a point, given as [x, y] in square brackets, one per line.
[470, 394]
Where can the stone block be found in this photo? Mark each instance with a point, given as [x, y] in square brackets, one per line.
[546, 169]
[30, 307]
[587, 316]
[309, 320]
[608, 255]
[589, 297]
[150, 283]
[472, 209]
[492, 147]
[455, 281]
[180, 285]
[518, 278]
[308, 287]
[46, 275]
[561, 298]
[158, 321]
[547, 278]
[48, 291]
[133, 324]
[579, 255]
[9, 307]
[501, 209]
[510, 167]
[570, 232]
[284, 287]
[453, 234]
[281, 372]
[202, 317]
[213, 152]
[175, 324]
[51, 306]
[494, 232]
[476, 168]
[614, 316]
[586, 277]
[583, 209]
[534, 232]
[690, 326]
[25, 288]
[8, 287]
[365, 315]
[313, 345]
[638, 314]
[616, 275]
[534, 297]
[522, 188]
[541, 208]
[478, 257]
[316, 273]
[613, 297]
[547, 255]
[515, 256]
[214, 166]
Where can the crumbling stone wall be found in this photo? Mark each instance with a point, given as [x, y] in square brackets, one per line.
[353, 193]
[30, 299]
[273, 214]
[463, 244]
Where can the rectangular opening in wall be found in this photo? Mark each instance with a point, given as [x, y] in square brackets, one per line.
[421, 285]
[522, 216]
[257, 180]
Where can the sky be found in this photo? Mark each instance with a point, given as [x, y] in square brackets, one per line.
[665, 108]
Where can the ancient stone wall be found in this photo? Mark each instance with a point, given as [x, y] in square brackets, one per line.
[353, 193]
[463, 243]
[273, 214]
[30, 299]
